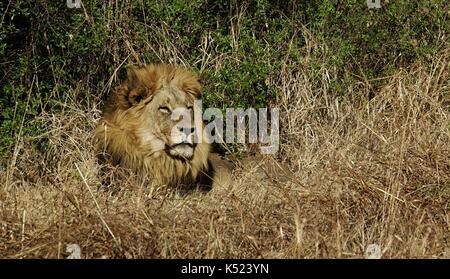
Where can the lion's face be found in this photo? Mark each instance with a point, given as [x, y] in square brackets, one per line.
[168, 122]
[160, 103]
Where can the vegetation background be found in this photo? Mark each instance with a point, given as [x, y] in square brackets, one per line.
[365, 107]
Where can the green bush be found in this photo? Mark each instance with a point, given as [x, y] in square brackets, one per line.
[47, 50]
[377, 41]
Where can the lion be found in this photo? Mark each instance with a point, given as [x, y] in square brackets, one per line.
[138, 131]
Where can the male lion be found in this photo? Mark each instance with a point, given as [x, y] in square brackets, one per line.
[138, 130]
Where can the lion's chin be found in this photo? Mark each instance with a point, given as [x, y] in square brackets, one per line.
[183, 151]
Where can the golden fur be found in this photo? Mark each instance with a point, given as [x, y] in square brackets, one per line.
[135, 130]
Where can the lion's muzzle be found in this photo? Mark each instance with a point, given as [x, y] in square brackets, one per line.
[182, 142]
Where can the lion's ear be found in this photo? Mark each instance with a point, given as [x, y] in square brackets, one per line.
[136, 95]
[136, 89]
[193, 86]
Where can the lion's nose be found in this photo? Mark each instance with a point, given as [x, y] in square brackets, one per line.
[187, 130]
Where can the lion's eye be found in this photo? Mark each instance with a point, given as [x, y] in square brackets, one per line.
[164, 109]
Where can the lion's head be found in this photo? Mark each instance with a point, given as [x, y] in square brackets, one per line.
[148, 125]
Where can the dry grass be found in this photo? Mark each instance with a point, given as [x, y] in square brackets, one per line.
[351, 172]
